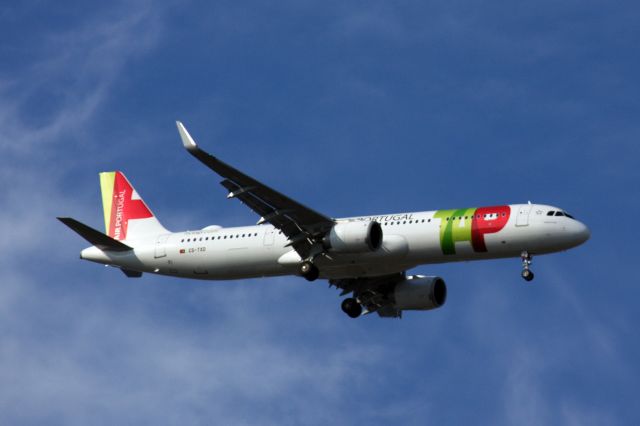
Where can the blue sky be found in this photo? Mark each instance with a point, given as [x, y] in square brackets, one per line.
[351, 107]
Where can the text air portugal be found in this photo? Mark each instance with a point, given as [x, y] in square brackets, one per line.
[119, 204]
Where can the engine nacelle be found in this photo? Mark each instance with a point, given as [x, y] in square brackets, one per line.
[419, 292]
[354, 237]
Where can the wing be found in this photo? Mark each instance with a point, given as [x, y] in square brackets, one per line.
[300, 224]
[374, 293]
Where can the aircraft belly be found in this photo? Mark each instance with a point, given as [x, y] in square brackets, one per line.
[233, 263]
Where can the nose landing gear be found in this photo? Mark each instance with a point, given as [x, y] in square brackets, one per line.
[527, 273]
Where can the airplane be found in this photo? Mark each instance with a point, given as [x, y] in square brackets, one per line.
[366, 257]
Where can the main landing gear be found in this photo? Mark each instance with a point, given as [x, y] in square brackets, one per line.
[309, 271]
[527, 273]
[351, 307]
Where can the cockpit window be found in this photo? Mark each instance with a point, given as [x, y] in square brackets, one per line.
[559, 213]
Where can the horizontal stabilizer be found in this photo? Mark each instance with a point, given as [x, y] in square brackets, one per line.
[97, 238]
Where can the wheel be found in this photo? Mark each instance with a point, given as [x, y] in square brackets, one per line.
[351, 307]
[527, 274]
[309, 271]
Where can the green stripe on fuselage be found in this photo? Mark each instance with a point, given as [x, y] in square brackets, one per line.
[456, 228]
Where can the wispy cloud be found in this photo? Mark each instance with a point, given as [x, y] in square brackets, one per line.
[524, 400]
[82, 359]
[49, 105]
[58, 93]
[81, 344]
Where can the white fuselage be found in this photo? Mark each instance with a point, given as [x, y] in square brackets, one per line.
[410, 239]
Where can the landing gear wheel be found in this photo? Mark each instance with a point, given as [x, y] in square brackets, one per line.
[527, 274]
[351, 307]
[309, 271]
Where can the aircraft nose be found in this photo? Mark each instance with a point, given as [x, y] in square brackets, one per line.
[580, 232]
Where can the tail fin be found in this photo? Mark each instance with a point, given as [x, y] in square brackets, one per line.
[126, 216]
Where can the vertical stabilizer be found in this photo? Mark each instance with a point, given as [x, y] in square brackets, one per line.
[126, 216]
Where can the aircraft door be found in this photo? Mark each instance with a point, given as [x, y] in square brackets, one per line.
[269, 237]
[523, 215]
[161, 245]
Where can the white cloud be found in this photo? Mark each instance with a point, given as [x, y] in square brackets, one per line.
[72, 72]
[83, 345]
[524, 401]
[71, 75]
[76, 355]
[573, 414]
[83, 357]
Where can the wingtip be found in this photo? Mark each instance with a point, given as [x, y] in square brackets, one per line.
[187, 140]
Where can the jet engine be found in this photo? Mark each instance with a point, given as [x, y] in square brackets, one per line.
[419, 292]
[354, 237]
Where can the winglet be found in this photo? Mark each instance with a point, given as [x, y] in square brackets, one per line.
[187, 140]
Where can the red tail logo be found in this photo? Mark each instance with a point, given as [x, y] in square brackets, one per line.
[125, 208]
